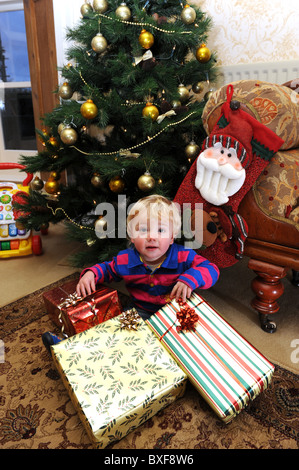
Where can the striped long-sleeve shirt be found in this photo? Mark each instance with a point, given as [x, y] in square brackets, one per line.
[149, 289]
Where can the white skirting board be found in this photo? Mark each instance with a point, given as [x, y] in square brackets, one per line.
[273, 72]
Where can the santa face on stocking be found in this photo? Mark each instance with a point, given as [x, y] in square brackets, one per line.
[219, 174]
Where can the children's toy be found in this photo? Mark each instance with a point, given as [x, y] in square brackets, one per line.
[15, 240]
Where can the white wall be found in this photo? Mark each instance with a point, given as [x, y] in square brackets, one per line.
[246, 31]
[66, 13]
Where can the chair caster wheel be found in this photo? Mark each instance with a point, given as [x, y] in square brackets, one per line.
[266, 324]
[295, 280]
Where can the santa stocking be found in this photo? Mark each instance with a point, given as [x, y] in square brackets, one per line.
[233, 156]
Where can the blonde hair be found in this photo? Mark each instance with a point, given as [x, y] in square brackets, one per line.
[156, 206]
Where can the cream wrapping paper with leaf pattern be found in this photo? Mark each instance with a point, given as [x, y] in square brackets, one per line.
[117, 378]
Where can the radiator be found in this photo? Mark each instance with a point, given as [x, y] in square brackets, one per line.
[273, 72]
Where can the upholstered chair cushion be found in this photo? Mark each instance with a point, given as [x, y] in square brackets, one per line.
[276, 106]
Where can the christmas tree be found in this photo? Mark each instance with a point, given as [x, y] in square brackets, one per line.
[128, 123]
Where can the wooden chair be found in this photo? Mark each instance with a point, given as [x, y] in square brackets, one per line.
[273, 249]
[273, 242]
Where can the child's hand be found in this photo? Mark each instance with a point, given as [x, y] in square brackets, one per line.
[182, 291]
[86, 285]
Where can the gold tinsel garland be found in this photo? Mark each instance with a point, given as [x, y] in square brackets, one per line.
[149, 139]
[132, 23]
[81, 227]
[69, 218]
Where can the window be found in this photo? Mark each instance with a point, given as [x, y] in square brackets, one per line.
[17, 129]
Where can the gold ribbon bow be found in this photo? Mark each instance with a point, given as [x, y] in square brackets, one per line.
[163, 116]
[71, 301]
[128, 154]
[129, 319]
[146, 56]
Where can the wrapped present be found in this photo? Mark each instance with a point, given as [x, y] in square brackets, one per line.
[73, 314]
[118, 376]
[226, 370]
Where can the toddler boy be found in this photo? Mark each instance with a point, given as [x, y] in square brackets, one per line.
[155, 269]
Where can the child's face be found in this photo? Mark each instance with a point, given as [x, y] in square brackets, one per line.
[151, 237]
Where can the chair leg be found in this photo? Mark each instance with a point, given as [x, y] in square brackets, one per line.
[268, 288]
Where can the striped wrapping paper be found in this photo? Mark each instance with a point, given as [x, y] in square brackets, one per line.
[226, 370]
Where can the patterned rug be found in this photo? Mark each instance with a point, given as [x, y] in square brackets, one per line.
[36, 412]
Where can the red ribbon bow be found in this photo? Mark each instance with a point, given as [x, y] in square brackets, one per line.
[187, 317]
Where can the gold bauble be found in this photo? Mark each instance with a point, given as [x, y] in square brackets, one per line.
[86, 9]
[151, 111]
[52, 186]
[99, 43]
[197, 87]
[192, 150]
[146, 39]
[203, 54]
[60, 127]
[117, 184]
[100, 5]
[37, 184]
[54, 175]
[188, 15]
[176, 104]
[89, 110]
[68, 135]
[65, 92]
[207, 95]
[146, 182]
[123, 12]
[96, 180]
[183, 92]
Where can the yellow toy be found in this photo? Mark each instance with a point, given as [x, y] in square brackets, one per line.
[14, 239]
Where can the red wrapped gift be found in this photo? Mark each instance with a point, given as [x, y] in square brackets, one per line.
[74, 315]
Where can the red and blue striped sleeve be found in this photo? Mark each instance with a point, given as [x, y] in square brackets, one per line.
[104, 272]
[201, 274]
